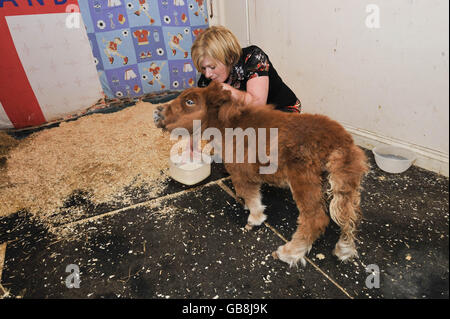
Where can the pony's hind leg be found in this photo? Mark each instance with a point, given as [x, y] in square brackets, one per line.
[307, 192]
[346, 172]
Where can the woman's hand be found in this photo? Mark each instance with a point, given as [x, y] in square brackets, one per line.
[227, 87]
[236, 95]
[257, 91]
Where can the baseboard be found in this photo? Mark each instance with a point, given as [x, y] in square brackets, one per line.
[428, 159]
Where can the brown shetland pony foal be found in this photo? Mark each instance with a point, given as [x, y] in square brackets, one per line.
[307, 145]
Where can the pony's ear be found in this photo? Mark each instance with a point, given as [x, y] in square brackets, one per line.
[216, 96]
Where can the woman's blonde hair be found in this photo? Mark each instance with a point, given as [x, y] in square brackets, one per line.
[216, 42]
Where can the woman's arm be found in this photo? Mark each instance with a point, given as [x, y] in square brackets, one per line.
[257, 91]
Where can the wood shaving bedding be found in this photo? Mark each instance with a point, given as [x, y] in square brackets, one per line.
[100, 154]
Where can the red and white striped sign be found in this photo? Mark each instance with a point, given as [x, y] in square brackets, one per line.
[47, 69]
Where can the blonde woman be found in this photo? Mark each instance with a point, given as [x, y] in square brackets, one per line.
[246, 72]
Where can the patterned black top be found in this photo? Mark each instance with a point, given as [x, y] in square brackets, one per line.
[254, 62]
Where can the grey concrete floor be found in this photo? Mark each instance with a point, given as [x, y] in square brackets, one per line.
[190, 243]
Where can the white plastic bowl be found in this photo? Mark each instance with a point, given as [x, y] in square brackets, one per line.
[393, 159]
[189, 172]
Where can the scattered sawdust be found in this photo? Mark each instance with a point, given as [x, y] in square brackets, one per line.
[100, 154]
[167, 212]
[320, 256]
[7, 143]
[162, 213]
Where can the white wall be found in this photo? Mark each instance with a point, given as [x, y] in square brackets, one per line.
[233, 15]
[387, 85]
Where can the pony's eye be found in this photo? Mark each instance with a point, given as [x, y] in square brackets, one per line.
[190, 103]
